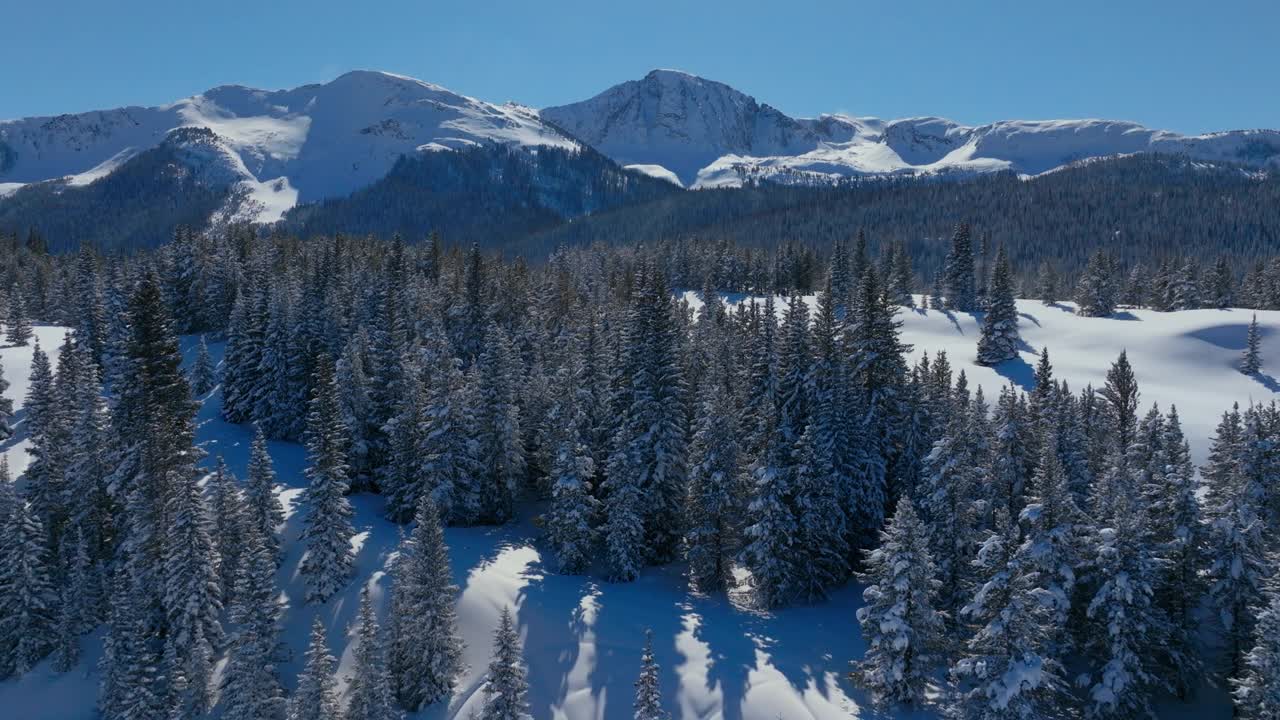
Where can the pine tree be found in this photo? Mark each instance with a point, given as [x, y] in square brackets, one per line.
[328, 531]
[132, 685]
[1251, 362]
[1130, 626]
[648, 703]
[570, 521]
[1008, 669]
[369, 690]
[316, 696]
[426, 651]
[28, 601]
[498, 426]
[192, 592]
[999, 339]
[1096, 292]
[251, 687]
[1257, 690]
[6, 409]
[902, 628]
[355, 397]
[263, 509]
[506, 686]
[1047, 284]
[229, 515]
[771, 541]
[203, 376]
[959, 274]
[715, 504]
[19, 325]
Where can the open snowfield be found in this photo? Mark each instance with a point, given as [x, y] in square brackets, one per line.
[582, 636]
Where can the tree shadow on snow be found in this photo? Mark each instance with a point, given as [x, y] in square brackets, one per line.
[1029, 316]
[1017, 371]
[1267, 381]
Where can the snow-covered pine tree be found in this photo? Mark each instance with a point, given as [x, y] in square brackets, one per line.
[572, 516]
[902, 628]
[502, 462]
[192, 592]
[771, 549]
[1047, 284]
[1008, 669]
[1237, 569]
[1130, 627]
[952, 479]
[228, 514]
[878, 373]
[354, 396]
[823, 533]
[426, 652]
[6, 408]
[132, 685]
[28, 600]
[648, 705]
[1096, 291]
[45, 426]
[999, 338]
[369, 689]
[18, 330]
[90, 506]
[1251, 361]
[1256, 690]
[316, 697]
[327, 531]
[262, 505]
[1178, 532]
[203, 375]
[251, 685]
[714, 513]
[645, 484]
[506, 688]
[958, 272]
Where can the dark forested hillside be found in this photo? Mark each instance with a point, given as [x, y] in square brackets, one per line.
[1140, 208]
[487, 195]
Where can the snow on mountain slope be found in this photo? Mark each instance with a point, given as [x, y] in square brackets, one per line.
[711, 135]
[582, 637]
[285, 146]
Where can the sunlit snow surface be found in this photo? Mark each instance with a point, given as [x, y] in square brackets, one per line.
[582, 636]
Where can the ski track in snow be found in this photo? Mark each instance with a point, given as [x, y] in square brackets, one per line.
[583, 637]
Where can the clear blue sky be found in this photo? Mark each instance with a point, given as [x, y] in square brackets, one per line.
[1176, 64]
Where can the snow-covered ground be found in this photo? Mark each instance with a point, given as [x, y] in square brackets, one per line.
[582, 636]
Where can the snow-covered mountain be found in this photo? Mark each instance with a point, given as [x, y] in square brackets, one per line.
[277, 149]
[708, 134]
[282, 147]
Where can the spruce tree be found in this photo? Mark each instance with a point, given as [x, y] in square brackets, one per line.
[327, 532]
[251, 686]
[1257, 690]
[648, 705]
[369, 690]
[715, 498]
[506, 687]
[262, 505]
[132, 684]
[316, 697]
[192, 590]
[1130, 627]
[1251, 361]
[498, 428]
[1008, 667]
[6, 409]
[570, 521]
[899, 622]
[203, 374]
[228, 514]
[426, 652]
[1096, 292]
[28, 600]
[19, 325]
[959, 273]
[999, 338]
